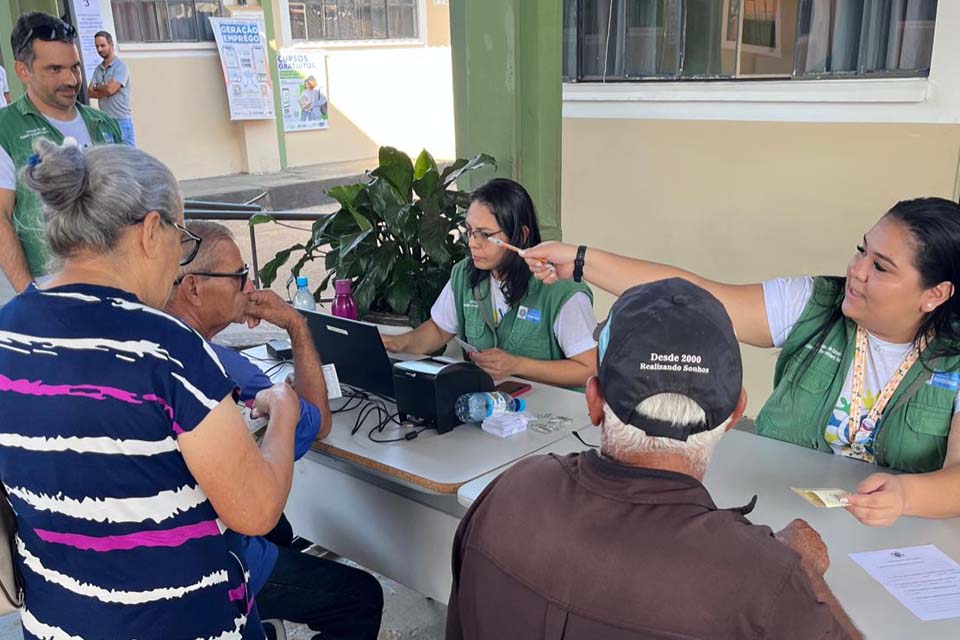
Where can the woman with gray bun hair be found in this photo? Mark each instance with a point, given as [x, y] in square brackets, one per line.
[122, 450]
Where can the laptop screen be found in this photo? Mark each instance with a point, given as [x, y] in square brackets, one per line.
[356, 350]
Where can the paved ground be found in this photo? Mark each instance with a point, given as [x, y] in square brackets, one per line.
[407, 615]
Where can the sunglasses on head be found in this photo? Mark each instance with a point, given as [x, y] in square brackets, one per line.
[48, 33]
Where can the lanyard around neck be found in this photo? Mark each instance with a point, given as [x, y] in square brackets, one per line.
[859, 374]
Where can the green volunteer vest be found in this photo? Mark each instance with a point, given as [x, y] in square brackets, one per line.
[20, 124]
[526, 329]
[913, 429]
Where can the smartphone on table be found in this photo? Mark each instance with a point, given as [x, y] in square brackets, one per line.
[513, 388]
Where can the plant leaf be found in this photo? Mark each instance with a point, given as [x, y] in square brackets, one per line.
[458, 164]
[364, 292]
[476, 162]
[402, 286]
[428, 186]
[397, 168]
[425, 164]
[259, 218]
[381, 262]
[433, 233]
[350, 242]
[304, 259]
[326, 282]
[384, 197]
[268, 272]
[346, 194]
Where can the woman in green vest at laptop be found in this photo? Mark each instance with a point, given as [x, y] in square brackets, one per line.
[520, 326]
[870, 363]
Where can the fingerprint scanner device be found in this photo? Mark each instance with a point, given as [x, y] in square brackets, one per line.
[355, 348]
[427, 390]
[280, 350]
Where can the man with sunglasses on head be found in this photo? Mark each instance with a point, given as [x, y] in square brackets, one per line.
[209, 293]
[48, 64]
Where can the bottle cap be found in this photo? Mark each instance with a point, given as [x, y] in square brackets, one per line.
[342, 286]
[521, 404]
[301, 281]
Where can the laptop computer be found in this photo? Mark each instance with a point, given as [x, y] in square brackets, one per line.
[356, 350]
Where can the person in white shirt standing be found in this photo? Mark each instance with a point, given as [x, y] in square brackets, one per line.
[4, 88]
[111, 86]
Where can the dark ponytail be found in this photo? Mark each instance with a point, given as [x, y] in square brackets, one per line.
[934, 224]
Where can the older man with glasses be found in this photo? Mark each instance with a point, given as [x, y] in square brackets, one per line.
[47, 62]
[210, 292]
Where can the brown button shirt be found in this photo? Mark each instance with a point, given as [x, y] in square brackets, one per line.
[580, 547]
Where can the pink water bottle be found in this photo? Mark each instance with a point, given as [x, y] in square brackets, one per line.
[344, 305]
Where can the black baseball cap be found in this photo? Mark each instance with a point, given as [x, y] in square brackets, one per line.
[669, 336]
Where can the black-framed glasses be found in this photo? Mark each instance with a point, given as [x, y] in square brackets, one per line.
[243, 274]
[189, 245]
[474, 234]
[49, 33]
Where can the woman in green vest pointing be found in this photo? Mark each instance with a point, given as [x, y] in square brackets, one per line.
[869, 366]
[519, 326]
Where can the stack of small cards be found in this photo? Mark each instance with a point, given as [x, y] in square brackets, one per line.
[505, 425]
[829, 498]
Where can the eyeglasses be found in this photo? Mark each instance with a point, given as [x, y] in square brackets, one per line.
[48, 32]
[189, 245]
[473, 234]
[242, 274]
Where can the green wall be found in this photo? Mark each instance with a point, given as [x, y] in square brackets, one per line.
[507, 83]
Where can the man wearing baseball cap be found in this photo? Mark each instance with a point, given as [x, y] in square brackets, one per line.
[627, 543]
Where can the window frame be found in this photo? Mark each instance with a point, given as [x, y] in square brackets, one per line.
[154, 44]
[579, 78]
[287, 33]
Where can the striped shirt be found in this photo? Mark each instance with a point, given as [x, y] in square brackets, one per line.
[116, 539]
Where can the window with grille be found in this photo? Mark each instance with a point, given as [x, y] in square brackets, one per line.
[326, 20]
[626, 40]
[164, 20]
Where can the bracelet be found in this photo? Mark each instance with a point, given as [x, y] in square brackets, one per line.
[578, 263]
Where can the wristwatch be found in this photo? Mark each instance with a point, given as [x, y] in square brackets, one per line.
[578, 264]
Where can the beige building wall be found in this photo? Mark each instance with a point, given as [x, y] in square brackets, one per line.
[180, 113]
[744, 201]
[380, 94]
[399, 95]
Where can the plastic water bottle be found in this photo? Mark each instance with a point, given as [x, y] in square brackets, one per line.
[303, 298]
[474, 407]
[344, 305]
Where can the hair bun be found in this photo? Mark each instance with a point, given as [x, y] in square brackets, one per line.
[57, 173]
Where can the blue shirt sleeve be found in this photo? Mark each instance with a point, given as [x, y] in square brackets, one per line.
[252, 380]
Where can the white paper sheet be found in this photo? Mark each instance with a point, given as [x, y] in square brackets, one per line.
[924, 579]
[469, 348]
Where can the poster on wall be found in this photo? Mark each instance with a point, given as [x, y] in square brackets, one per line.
[89, 22]
[303, 90]
[243, 57]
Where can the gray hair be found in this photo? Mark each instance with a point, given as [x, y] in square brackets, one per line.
[211, 234]
[90, 196]
[620, 441]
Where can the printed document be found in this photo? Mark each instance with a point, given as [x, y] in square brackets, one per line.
[924, 579]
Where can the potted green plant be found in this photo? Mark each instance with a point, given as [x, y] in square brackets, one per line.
[395, 237]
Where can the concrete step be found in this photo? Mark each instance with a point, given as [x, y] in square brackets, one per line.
[292, 189]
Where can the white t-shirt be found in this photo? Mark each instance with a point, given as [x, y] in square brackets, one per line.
[75, 128]
[573, 327]
[785, 299]
[4, 87]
